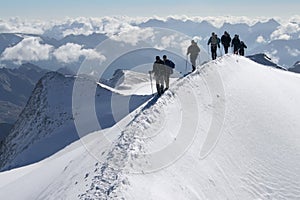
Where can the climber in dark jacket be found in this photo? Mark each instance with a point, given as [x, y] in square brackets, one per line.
[169, 66]
[214, 42]
[236, 43]
[242, 48]
[225, 40]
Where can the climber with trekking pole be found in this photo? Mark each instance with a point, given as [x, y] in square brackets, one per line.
[159, 73]
[214, 43]
[193, 50]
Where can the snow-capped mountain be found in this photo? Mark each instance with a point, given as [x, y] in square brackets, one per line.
[264, 60]
[46, 124]
[8, 40]
[284, 52]
[216, 134]
[250, 33]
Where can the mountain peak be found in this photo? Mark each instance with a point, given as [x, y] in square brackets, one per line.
[263, 59]
[272, 20]
[295, 68]
[297, 64]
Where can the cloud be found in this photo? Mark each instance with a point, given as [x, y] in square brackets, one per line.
[80, 26]
[294, 19]
[4, 27]
[29, 49]
[197, 38]
[260, 39]
[286, 32]
[293, 52]
[72, 52]
[132, 34]
[78, 31]
[167, 41]
[184, 45]
[108, 24]
[124, 25]
[17, 25]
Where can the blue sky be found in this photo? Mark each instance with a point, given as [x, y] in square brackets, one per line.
[48, 9]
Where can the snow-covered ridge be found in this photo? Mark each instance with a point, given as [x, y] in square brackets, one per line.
[255, 154]
[243, 158]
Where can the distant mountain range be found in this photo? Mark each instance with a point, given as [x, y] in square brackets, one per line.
[259, 37]
[204, 29]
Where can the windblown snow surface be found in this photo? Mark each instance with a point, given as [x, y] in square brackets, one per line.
[230, 130]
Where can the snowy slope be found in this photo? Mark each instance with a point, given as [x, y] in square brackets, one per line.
[227, 131]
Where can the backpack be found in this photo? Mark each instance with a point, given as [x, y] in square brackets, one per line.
[214, 40]
[171, 64]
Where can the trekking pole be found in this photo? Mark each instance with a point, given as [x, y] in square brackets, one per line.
[220, 52]
[151, 82]
[208, 50]
[186, 63]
